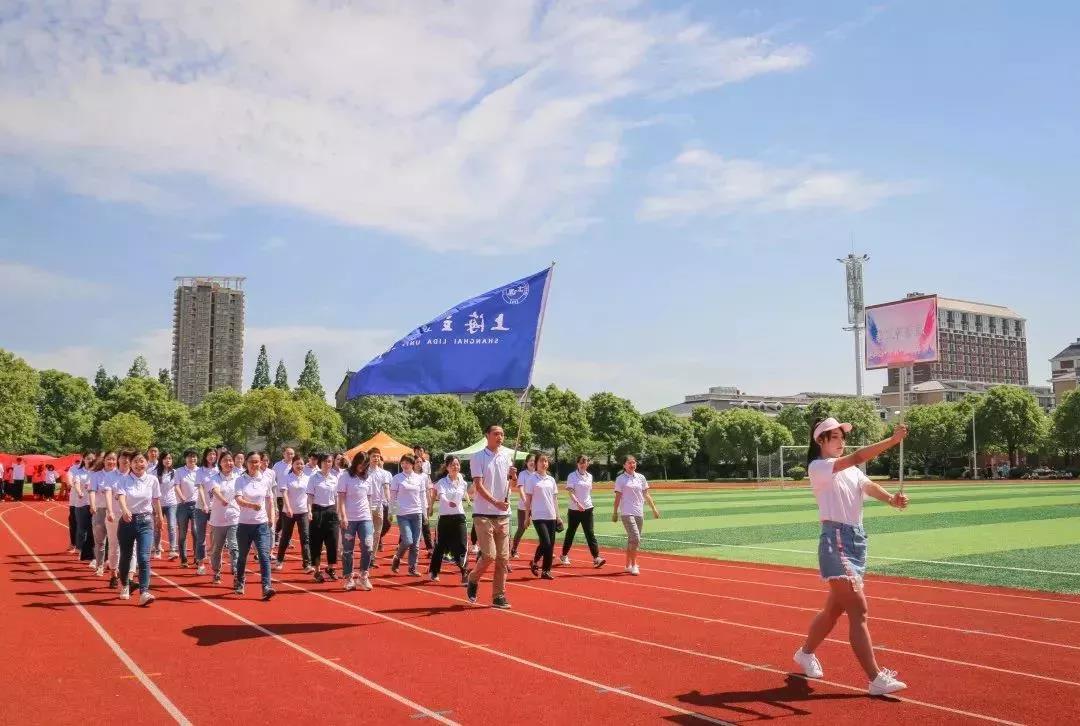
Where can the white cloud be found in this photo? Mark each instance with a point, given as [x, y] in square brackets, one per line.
[83, 360]
[479, 124]
[19, 280]
[700, 183]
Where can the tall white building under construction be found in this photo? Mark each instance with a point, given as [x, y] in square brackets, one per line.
[208, 336]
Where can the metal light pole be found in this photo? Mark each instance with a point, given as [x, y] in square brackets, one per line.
[974, 449]
[853, 266]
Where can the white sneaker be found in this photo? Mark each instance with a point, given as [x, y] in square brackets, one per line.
[365, 583]
[350, 585]
[125, 594]
[100, 572]
[93, 564]
[279, 566]
[628, 569]
[564, 560]
[634, 570]
[476, 549]
[201, 570]
[809, 663]
[145, 599]
[886, 683]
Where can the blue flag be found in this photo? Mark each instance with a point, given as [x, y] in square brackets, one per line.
[486, 343]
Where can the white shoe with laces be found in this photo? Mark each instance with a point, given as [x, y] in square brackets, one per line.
[886, 683]
[279, 566]
[125, 594]
[350, 584]
[93, 564]
[564, 560]
[634, 570]
[365, 583]
[145, 599]
[201, 570]
[809, 663]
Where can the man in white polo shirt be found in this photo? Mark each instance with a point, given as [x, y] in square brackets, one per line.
[490, 469]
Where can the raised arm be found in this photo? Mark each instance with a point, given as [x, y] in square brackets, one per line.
[867, 453]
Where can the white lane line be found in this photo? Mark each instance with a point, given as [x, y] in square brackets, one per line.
[869, 557]
[515, 659]
[132, 666]
[778, 631]
[312, 655]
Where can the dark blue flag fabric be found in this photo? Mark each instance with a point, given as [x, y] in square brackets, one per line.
[483, 344]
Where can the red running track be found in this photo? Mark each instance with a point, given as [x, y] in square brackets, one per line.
[689, 641]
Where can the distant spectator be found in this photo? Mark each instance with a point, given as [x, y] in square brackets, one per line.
[18, 479]
[48, 489]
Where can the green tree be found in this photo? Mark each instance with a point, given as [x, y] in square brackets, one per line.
[151, 401]
[216, 420]
[139, 368]
[20, 391]
[327, 428]
[502, 408]
[366, 416]
[669, 439]
[700, 418]
[558, 421]
[937, 433]
[737, 436]
[1010, 418]
[275, 416]
[793, 418]
[859, 412]
[281, 376]
[309, 377]
[104, 384]
[441, 423]
[262, 371]
[1066, 425]
[615, 424]
[67, 409]
[125, 431]
[165, 378]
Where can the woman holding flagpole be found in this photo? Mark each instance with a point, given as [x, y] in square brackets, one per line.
[839, 487]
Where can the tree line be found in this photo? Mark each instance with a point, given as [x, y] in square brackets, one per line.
[54, 412]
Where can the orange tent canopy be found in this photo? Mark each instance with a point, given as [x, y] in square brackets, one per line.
[392, 450]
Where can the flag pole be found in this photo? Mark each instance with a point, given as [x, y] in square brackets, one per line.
[523, 401]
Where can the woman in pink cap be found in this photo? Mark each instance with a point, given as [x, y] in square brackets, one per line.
[839, 486]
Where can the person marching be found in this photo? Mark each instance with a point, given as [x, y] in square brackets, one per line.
[408, 492]
[631, 493]
[139, 497]
[101, 482]
[202, 508]
[522, 479]
[322, 501]
[450, 491]
[491, 469]
[579, 485]
[355, 498]
[255, 525]
[293, 484]
[224, 516]
[187, 498]
[165, 476]
[84, 514]
[839, 487]
[380, 501]
[423, 468]
[542, 507]
[282, 468]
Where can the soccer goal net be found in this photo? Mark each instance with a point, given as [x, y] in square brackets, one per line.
[785, 466]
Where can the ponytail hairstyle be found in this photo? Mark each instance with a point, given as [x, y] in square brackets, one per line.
[359, 465]
[813, 452]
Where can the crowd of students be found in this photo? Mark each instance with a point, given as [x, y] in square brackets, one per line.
[129, 507]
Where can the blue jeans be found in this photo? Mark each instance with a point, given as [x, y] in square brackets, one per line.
[262, 537]
[185, 514]
[140, 531]
[366, 531]
[168, 512]
[409, 526]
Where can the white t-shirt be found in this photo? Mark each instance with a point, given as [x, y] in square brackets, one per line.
[185, 479]
[281, 468]
[203, 475]
[840, 495]
[220, 514]
[543, 490]
[271, 481]
[580, 485]
[408, 492]
[168, 491]
[255, 490]
[451, 490]
[139, 492]
[104, 486]
[357, 491]
[426, 468]
[323, 489]
[382, 477]
[295, 488]
[18, 472]
[493, 468]
[73, 476]
[523, 479]
[50, 476]
[633, 490]
[84, 482]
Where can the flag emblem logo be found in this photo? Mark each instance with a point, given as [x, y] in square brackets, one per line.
[516, 294]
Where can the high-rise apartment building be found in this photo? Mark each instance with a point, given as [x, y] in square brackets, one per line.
[208, 336]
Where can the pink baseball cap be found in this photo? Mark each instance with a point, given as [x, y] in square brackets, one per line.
[828, 425]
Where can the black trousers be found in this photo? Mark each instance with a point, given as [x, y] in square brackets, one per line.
[280, 509]
[545, 532]
[84, 532]
[385, 522]
[324, 526]
[585, 519]
[15, 490]
[72, 525]
[450, 538]
[425, 530]
[303, 528]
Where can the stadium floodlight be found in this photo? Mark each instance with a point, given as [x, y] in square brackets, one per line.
[853, 267]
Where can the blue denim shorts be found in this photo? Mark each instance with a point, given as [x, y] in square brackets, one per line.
[842, 552]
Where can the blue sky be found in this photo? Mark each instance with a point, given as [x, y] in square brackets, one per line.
[694, 168]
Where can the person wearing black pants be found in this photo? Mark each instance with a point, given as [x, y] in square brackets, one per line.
[293, 485]
[522, 514]
[542, 505]
[450, 493]
[322, 495]
[579, 485]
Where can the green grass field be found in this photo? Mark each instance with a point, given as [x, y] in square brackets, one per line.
[961, 532]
